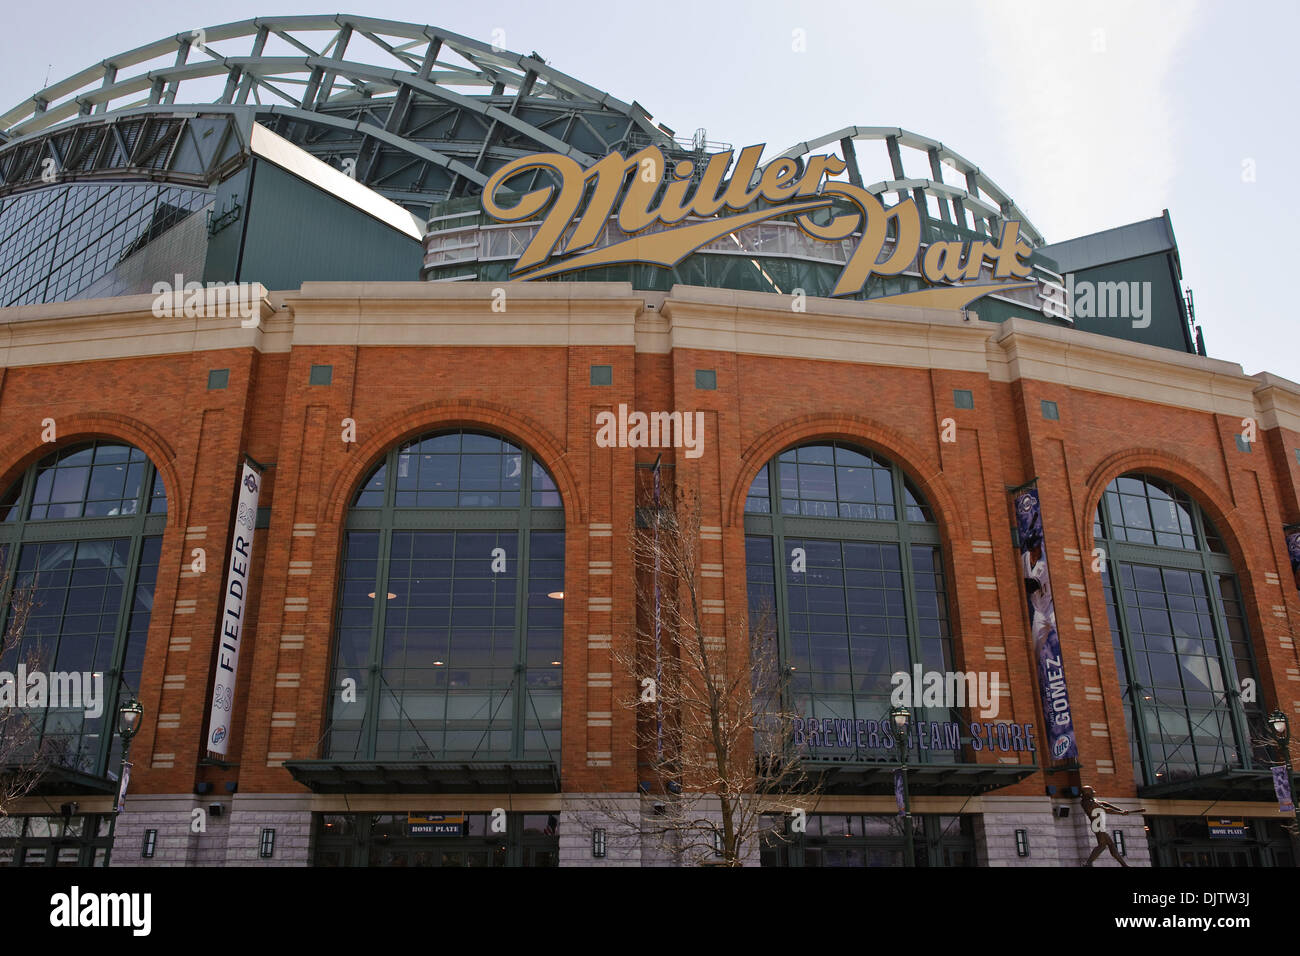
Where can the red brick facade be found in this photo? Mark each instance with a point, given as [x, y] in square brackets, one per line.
[540, 395]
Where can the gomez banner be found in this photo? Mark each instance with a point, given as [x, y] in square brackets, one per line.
[232, 620]
[1042, 621]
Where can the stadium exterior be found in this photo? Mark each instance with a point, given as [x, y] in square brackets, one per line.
[258, 281]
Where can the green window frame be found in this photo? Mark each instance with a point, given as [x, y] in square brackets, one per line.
[873, 600]
[79, 840]
[450, 616]
[84, 526]
[1179, 633]
[385, 839]
[868, 840]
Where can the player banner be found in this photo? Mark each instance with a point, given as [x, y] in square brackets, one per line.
[123, 784]
[1282, 788]
[1292, 534]
[1042, 622]
[232, 619]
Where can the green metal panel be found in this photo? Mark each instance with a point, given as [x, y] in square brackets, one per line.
[294, 232]
[1168, 322]
[229, 208]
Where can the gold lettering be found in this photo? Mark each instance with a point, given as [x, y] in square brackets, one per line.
[673, 208]
[645, 200]
[608, 176]
[738, 194]
[875, 228]
[841, 227]
[975, 258]
[708, 195]
[1007, 253]
[634, 212]
[776, 185]
[943, 261]
[818, 166]
[561, 211]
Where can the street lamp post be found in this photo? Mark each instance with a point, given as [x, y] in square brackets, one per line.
[129, 716]
[900, 716]
[1280, 728]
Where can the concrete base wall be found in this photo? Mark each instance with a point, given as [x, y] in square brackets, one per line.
[642, 831]
[191, 834]
[639, 831]
[615, 813]
[290, 816]
[1054, 840]
[180, 822]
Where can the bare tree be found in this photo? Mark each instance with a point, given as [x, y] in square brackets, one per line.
[713, 718]
[22, 758]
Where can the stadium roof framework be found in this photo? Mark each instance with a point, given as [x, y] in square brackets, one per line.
[417, 113]
[424, 118]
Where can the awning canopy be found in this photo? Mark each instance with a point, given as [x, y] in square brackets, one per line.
[1225, 785]
[55, 781]
[923, 779]
[338, 776]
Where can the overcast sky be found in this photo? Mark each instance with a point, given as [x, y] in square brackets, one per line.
[1090, 115]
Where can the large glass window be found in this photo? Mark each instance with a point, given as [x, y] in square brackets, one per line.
[84, 531]
[843, 559]
[1178, 632]
[858, 840]
[451, 606]
[64, 241]
[465, 839]
[84, 840]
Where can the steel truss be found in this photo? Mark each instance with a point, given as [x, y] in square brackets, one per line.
[977, 203]
[416, 113]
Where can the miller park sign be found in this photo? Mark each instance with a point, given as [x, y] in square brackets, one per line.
[638, 202]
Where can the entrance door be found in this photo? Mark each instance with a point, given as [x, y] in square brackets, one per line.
[1185, 841]
[362, 839]
[442, 852]
[1217, 856]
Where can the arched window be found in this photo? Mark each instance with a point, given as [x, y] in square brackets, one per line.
[844, 556]
[1178, 631]
[82, 531]
[451, 606]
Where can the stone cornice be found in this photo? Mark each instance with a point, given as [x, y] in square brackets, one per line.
[463, 314]
[126, 327]
[564, 314]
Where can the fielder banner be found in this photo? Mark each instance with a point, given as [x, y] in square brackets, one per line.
[232, 618]
[1042, 622]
